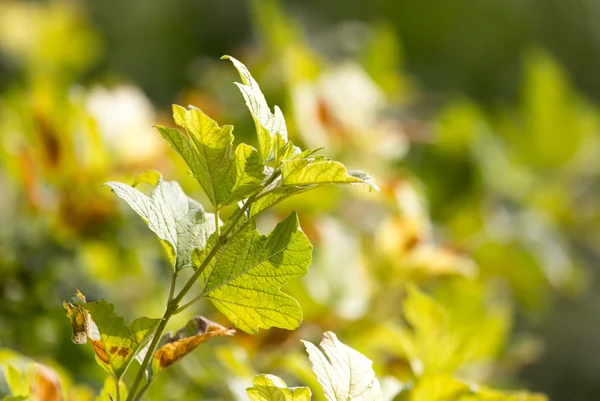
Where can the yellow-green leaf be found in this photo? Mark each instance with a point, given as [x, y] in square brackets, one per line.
[114, 343]
[243, 280]
[272, 388]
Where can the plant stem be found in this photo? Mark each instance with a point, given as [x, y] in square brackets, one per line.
[153, 345]
[143, 391]
[187, 305]
[173, 303]
[118, 389]
[217, 228]
[172, 289]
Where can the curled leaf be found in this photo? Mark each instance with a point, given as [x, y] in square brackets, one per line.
[175, 347]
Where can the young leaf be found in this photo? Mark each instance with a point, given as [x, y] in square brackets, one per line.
[197, 331]
[268, 125]
[179, 222]
[272, 388]
[305, 178]
[226, 176]
[244, 277]
[344, 374]
[113, 341]
[321, 171]
[272, 138]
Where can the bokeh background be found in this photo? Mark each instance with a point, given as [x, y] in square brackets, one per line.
[479, 120]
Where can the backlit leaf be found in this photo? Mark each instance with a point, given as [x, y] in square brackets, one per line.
[243, 280]
[179, 221]
[320, 171]
[226, 176]
[114, 343]
[268, 124]
[344, 373]
[272, 388]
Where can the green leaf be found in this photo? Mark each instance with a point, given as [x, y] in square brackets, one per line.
[198, 330]
[272, 388]
[109, 391]
[344, 374]
[226, 176]
[268, 125]
[179, 221]
[321, 171]
[303, 172]
[17, 383]
[442, 387]
[243, 280]
[114, 343]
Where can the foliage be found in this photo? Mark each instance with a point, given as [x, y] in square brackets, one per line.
[474, 214]
[236, 268]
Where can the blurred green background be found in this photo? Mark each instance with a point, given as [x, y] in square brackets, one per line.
[479, 119]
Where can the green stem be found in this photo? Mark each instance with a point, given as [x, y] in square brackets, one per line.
[118, 389]
[187, 305]
[172, 289]
[143, 390]
[173, 304]
[217, 228]
[153, 345]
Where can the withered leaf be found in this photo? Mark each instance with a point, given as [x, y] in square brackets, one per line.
[196, 331]
[114, 342]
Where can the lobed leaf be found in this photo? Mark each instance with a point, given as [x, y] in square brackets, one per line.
[179, 221]
[272, 388]
[344, 373]
[225, 175]
[243, 280]
[268, 125]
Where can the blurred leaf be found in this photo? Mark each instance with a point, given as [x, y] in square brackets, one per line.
[16, 381]
[109, 391]
[493, 395]
[344, 374]
[454, 331]
[272, 388]
[438, 388]
[243, 280]
[179, 221]
[198, 330]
